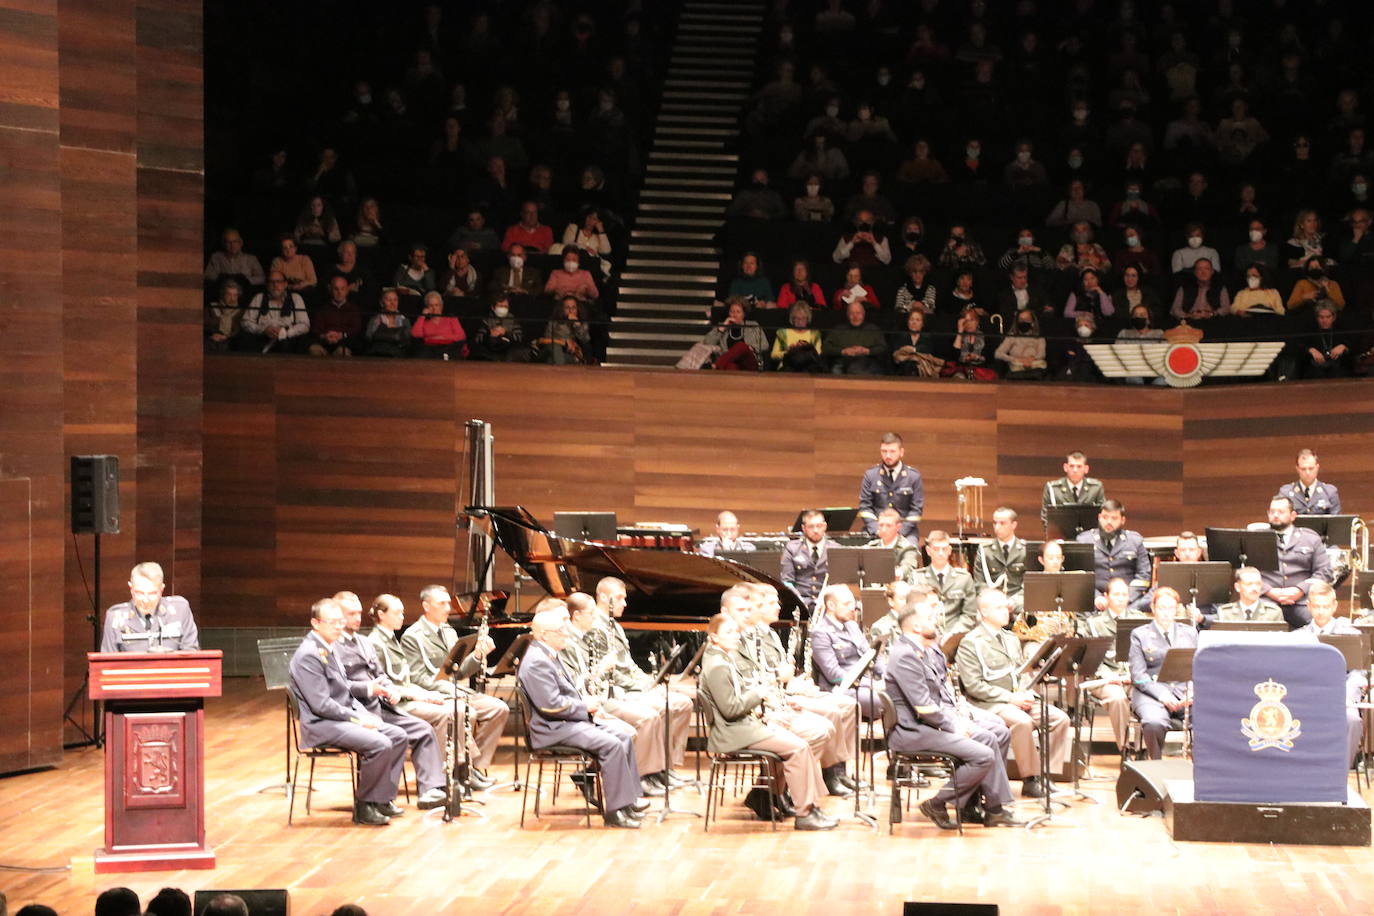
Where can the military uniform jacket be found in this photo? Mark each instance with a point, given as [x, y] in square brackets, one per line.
[1126, 558]
[322, 691]
[557, 711]
[959, 594]
[835, 649]
[391, 654]
[987, 662]
[901, 490]
[995, 569]
[1060, 493]
[358, 658]
[426, 647]
[735, 712]
[906, 556]
[804, 573]
[1104, 624]
[919, 688]
[626, 675]
[714, 546]
[1338, 626]
[172, 628]
[1302, 556]
[1321, 499]
[1266, 611]
[1148, 648]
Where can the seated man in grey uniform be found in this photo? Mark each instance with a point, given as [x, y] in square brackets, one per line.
[904, 553]
[737, 724]
[837, 648]
[1303, 560]
[332, 715]
[426, 644]
[1075, 488]
[954, 587]
[1321, 601]
[149, 621]
[1118, 552]
[1159, 706]
[805, 563]
[558, 714]
[928, 719]
[726, 537]
[379, 695]
[1250, 603]
[1309, 495]
[1002, 564]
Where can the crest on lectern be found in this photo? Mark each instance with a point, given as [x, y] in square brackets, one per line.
[1270, 724]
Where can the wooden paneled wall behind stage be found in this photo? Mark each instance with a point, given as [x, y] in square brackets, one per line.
[323, 475]
[101, 154]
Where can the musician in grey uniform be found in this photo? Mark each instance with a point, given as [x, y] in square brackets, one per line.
[837, 647]
[1250, 603]
[1302, 561]
[1075, 488]
[905, 555]
[635, 684]
[426, 644]
[736, 724]
[890, 484]
[1113, 674]
[588, 663]
[988, 660]
[558, 714]
[331, 715]
[1159, 705]
[379, 695]
[928, 720]
[1118, 552]
[726, 537]
[149, 621]
[954, 587]
[1309, 495]
[1002, 564]
[805, 564]
[1321, 602]
[885, 627]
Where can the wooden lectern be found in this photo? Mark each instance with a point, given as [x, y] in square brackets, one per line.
[154, 757]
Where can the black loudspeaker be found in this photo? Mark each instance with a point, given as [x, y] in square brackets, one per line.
[261, 901]
[95, 494]
[1140, 787]
[911, 908]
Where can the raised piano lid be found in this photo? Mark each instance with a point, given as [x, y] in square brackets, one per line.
[660, 584]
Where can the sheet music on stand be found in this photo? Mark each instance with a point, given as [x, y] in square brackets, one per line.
[860, 668]
[1124, 627]
[1207, 582]
[1336, 530]
[1044, 651]
[1352, 646]
[861, 565]
[459, 651]
[1067, 522]
[1244, 547]
[510, 659]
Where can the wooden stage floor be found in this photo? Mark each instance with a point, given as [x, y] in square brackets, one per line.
[1101, 863]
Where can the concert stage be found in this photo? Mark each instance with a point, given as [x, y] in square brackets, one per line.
[1090, 860]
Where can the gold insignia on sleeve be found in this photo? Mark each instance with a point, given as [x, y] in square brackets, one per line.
[1270, 723]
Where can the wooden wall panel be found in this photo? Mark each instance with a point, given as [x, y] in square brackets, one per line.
[31, 364]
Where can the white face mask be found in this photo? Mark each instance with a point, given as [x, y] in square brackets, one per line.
[1256, 235]
[1026, 241]
[517, 262]
[1195, 241]
[1252, 282]
[1075, 162]
[973, 152]
[570, 266]
[500, 311]
[1358, 188]
[1085, 331]
[1132, 241]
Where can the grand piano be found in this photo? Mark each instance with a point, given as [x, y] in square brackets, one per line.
[665, 589]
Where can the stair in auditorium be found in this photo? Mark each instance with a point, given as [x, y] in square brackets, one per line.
[669, 280]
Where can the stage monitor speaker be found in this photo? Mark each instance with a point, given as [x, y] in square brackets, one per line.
[95, 494]
[1140, 788]
[261, 901]
[936, 908]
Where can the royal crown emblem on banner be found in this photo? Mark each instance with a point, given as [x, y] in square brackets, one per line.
[1270, 724]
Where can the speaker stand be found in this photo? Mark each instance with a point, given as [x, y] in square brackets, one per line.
[92, 738]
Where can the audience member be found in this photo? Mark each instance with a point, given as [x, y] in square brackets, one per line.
[415, 277]
[758, 200]
[739, 344]
[170, 901]
[1259, 296]
[969, 343]
[567, 337]
[298, 269]
[917, 292]
[276, 319]
[118, 901]
[801, 289]
[1316, 287]
[1201, 294]
[813, 206]
[797, 348]
[854, 290]
[224, 317]
[865, 244]
[388, 333]
[529, 233]
[1023, 349]
[232, 261]
[316, 226]
[913, 350]
[500, 338]
[856, 347]
[750, 284]
[1257, 249]
[336, 327]
[438, 336]
[1195, 250]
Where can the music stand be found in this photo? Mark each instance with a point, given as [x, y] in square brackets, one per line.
[1066, 592]
[1080, 654]
[1049, 652]
[1178, 667]
[837, 518]
[585, 526]
[662, 678]
[1243, 547]
[849, 683]
[275, 656]
[861, 565]
[761, 560]
[1208, 582]
[1067, 522]
[1249, 626]
[1334, 529]
[1079, 556]
[1351, 645]
[1125, 626]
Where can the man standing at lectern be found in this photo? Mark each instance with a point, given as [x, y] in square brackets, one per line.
[890, 484]
[149, 621]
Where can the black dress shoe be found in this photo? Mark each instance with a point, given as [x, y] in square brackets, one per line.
[783, 806]
[759, 802]
[390, 809]
[479, 781]
[368, 815]
[1003, 818]
[639, 807]
[815, 819]
[619, 818]
[431, 798]
[938, 813]
[849, 782]
[672, 779]
[835, 786]
[650, 788]
[1033, 788]
[973, 813]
